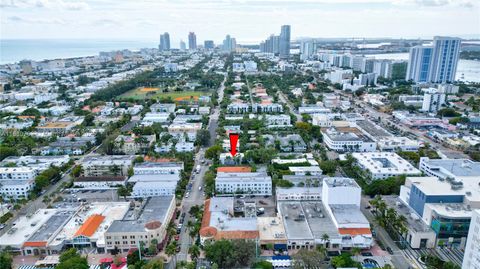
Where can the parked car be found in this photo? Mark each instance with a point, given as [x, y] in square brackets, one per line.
[389, 250]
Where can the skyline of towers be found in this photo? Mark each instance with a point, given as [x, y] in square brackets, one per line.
[285, 41]
[434, 63]
[164, 41]
[192, 41]
[278, 44]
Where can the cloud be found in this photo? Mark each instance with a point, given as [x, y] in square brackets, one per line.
[53, 21]
[106, 23]
[48, 4]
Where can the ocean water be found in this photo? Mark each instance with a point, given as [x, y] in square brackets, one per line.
[467, 70]
[14, 50]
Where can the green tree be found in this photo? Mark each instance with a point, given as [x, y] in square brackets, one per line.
[154, 264]
[244, 252]
[305, 258]
[194, 252]
[203, 137]
[5, 260]
[263, 265]
[123, 191]
[77, 171]
[344, 260]
[70, 259]
[213, 152]
[221, 252]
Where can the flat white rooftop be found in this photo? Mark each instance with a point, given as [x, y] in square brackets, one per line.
[385, 163]
[434, 186]
[110, 210]
[25, 227]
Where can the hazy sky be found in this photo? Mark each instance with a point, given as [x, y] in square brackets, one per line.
[247, 20]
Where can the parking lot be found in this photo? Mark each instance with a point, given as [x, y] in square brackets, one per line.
[267, 203]
[91, 195]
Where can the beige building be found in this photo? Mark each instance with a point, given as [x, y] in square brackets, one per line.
[108, 165]
[147, 223]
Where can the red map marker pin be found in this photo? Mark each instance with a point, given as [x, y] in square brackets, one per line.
[233, 143]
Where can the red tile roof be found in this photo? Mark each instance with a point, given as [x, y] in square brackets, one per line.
[354, 231]
[35, 244]
[234, 169]
[90, 226]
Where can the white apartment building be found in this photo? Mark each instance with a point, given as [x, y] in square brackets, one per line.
[322, 120]
[155, 117]
[184, 146]
[450, 168]
[163, 108]
[277, 120]
[157, 168]
[433, 100]
[16, 189]
[313, 109]
[344, 140]
[145, 189]
[189, 129]
[471, 259]
[382, 165]
[256, 183]
[17, 173]
[305, 170]
[116, 165]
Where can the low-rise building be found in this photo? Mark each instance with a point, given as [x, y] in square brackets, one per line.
[147, 223]
[100, 182]
[395, 143]
[163, 108]
[16, 189]
[305, 170]
[471, 259]
[448, 169]
[218, 222]
[158, 168]
[189, 130]
[132, 144]
[255, 183]
[292, 143]
[382, 165]
[445, 205]
[273, 121]
[107, 165]
[62, 126]
[347, 139]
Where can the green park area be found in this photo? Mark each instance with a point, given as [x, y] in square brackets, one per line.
[156, 93]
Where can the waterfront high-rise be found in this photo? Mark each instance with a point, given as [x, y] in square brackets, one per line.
[209, 44]
[445, 59]
[229, 44]
[285, 41]
[306, 49]
[192, 41]
[164, 42]
[436, 63]
[183, 46]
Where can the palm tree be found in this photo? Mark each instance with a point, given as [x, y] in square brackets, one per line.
[115, 170]
[171, 250]
[356, 251]
[322, 249]
[123, 191]
[326, 240]
[194, 252]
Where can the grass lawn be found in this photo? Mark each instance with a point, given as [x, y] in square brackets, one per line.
[153, 93]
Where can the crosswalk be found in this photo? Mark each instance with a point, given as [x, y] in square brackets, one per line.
[92, 266]
[454, 255]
